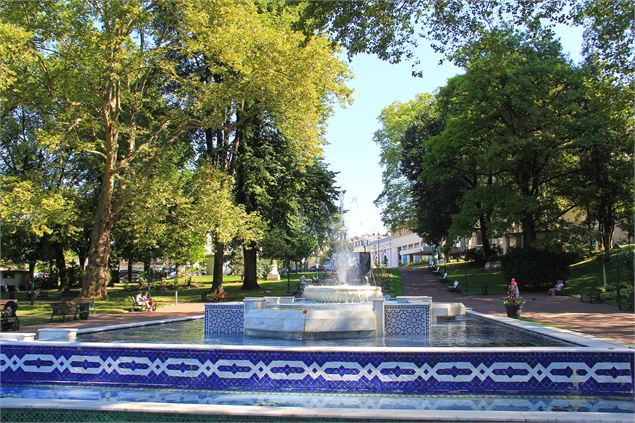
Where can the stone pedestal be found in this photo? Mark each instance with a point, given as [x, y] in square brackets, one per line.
[54, 334]
[273, 274]
[16, 336]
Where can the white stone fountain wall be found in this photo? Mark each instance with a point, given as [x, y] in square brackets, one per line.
[405, 316]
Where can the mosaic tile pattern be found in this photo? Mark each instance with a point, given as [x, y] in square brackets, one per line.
[224, 319]
[399, 319]
[406, 319]
[531, 372]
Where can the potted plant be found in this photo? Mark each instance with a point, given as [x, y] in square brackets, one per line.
[513, 305]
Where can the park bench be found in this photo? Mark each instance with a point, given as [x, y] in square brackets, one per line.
[627, 304]
[64, 308]
[61, 309]
[454, 287]
[591, 296]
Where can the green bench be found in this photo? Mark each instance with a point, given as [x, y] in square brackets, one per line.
[61, 309]
[66, 308]
[592, 296]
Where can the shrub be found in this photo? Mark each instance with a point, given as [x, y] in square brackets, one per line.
[478, 258]
[536, 268]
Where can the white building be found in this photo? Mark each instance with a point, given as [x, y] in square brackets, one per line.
[402, 247]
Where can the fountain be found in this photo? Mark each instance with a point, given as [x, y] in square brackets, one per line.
[345, 305]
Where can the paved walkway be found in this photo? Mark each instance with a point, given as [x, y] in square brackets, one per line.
[600, 320]
[96, 320]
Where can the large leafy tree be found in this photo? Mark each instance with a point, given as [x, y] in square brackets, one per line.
[507, 134]
[118, 86]
[604, 186]
[396, 200]
[104, 66]
[272, 79]
[392, 29]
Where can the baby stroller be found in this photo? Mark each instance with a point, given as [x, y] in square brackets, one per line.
[10, 320]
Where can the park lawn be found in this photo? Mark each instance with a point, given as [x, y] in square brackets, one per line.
[588, 273]
[584, 275]
[472, 279]
[397, 287]
[120, 296]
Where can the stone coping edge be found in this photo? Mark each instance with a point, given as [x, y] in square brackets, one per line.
[318, 349]
[321, 413]
[577, 338]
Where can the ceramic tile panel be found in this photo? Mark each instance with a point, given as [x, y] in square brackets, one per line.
[556, 372]
[224, 319]
[406, 319]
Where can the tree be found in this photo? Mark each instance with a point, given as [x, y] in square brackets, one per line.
[508, 131]
[608, 36]
[103, 65]
[396, 197]
[272, 75]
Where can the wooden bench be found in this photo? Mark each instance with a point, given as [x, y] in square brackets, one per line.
[64, 308]
[591, 296]
[61, 309]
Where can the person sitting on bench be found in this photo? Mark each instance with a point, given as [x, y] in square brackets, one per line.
[558, 288]
[142, 300]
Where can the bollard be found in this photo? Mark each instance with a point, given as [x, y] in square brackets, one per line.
[176, 297]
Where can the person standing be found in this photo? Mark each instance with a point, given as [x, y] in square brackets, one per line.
[514, 292]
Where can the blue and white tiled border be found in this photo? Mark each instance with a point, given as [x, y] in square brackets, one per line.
[510, 371]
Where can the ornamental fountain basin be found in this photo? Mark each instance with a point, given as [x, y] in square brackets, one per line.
[291, 318]
[342, 293]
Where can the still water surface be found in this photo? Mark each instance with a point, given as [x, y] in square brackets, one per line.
[465, 332]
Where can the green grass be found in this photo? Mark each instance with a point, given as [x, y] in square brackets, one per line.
[397, 287]
[472, 279]
[120, 296]
[584, 275]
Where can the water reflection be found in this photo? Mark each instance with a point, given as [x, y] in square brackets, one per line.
[465, 332]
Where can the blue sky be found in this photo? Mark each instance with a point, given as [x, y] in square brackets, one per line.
[377, 84]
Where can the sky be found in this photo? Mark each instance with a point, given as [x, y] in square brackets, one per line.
[376, 84]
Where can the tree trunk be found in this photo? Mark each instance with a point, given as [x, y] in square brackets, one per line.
[97, 272]
[129, 268]
[487, 246]
[146, 268]
[82, 261]
[60, 263]
[219, 261]
[250, 280]
[529, 231]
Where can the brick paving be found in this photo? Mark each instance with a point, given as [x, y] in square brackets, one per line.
[600, 320]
